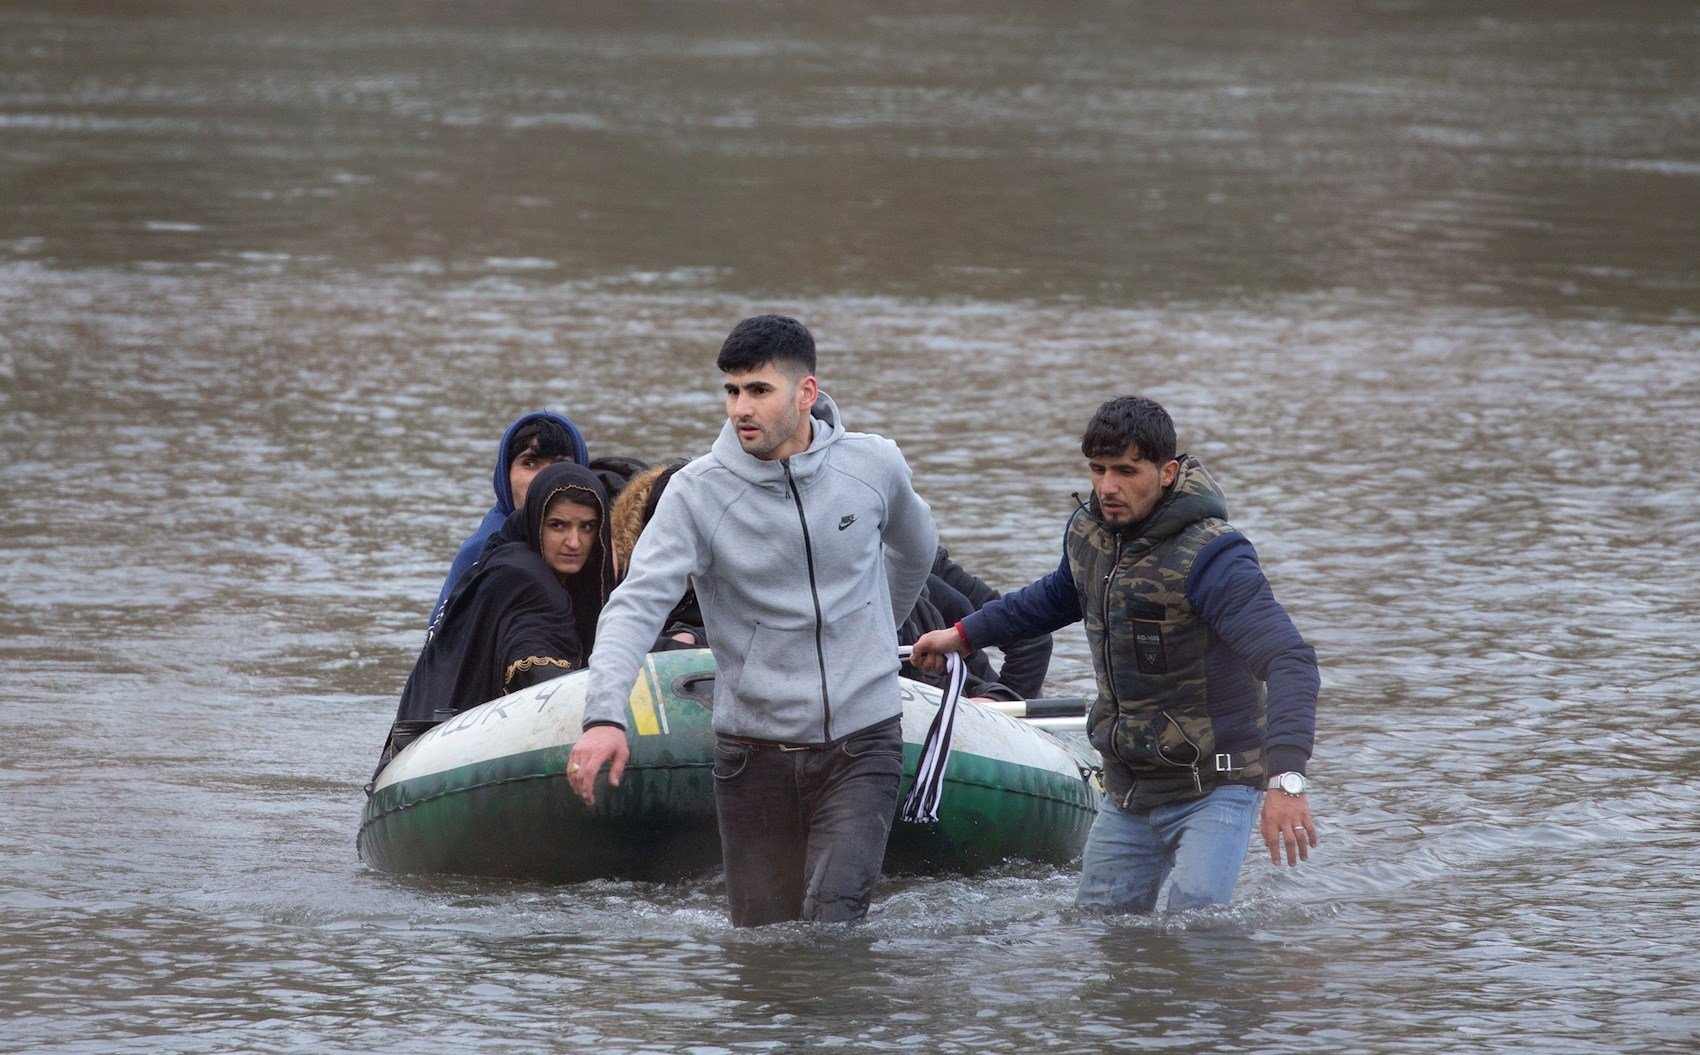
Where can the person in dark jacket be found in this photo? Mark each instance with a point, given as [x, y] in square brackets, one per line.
[537, 439]
[525, 612]
[980, 681]
[957, 592]
[1186, 639]
[952, 593]
[616, 471]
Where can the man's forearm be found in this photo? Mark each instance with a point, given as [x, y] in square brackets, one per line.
[623, 636]
[662, 565]
[1040, 607]
[1293, 685]
[1230, 591]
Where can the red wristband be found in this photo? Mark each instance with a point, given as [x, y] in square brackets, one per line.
[963, 634]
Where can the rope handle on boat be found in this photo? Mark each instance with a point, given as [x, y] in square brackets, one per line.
[922, 805]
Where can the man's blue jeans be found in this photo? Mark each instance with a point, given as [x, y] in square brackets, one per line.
[1198, 843]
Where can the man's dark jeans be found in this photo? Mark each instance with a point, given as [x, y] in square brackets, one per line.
[803, 832]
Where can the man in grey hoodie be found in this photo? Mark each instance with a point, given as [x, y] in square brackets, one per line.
[807, 545]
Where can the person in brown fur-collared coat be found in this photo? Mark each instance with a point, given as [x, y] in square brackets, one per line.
[632, 510]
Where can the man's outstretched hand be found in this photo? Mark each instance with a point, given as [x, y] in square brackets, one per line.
[597, 746]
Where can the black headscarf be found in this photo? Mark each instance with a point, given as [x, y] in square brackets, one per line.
[590, 585]
[510, 621]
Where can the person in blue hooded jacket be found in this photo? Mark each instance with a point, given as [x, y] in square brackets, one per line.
[531, 444]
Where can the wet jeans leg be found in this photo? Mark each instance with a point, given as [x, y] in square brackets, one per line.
[852, 800]
[1197, 844]
[1124, 863]
[762, 837]
[803, 833]
[1211, 836]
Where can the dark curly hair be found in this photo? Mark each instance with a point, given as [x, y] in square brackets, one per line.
[543, 437]
[1130, 423]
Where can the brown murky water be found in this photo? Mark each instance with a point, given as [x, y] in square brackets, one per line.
[1419, 282]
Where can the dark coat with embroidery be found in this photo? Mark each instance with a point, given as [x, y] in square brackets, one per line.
[510, 621]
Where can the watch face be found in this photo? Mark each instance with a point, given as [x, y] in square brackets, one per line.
[1292, 783]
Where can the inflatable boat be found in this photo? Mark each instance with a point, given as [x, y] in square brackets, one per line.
[485, 793]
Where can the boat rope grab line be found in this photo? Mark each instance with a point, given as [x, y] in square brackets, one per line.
[922, 805]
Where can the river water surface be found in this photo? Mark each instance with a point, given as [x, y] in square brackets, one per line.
[1419, 282]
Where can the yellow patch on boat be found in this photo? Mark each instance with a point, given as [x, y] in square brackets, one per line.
[647, 716]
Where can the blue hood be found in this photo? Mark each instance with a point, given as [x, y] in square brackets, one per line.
[499, 480]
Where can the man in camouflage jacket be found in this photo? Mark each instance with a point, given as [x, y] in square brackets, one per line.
[1206, 691]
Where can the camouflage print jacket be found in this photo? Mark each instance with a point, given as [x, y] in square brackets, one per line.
[1184, 632]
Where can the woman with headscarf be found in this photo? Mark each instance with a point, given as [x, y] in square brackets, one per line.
[524, 613]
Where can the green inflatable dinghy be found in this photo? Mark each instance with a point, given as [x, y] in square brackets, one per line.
[485, 793]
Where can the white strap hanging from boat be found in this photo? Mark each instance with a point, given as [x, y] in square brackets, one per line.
[922, 805]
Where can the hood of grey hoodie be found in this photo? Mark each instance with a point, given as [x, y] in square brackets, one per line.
[804, 465]
[803, 568]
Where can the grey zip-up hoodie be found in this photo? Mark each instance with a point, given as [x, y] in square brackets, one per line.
[803, 568]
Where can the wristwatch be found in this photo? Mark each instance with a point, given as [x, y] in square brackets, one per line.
[1292, 783]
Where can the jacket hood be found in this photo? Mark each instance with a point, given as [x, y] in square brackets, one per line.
[829, 428]
[499, 480]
